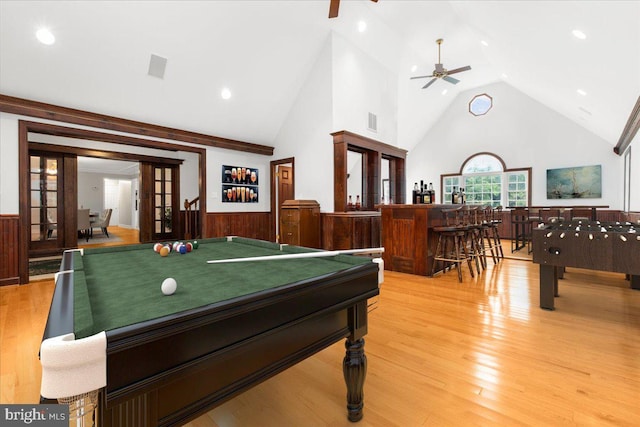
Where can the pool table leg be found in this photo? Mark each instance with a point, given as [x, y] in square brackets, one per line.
[354, 368]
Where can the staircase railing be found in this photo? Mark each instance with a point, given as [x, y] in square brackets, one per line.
[192, 218]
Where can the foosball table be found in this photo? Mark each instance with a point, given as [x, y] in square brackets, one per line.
[595, 245]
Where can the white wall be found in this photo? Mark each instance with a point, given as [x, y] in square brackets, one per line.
[306, 135]
[524, 133]
[216, 158]
[362, 85]
[9, 164]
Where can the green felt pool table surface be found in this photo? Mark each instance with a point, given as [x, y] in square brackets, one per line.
[120, 286]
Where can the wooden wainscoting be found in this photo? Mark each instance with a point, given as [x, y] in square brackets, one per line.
[255, 225]
[9, 241]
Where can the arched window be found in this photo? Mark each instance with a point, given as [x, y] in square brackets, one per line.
[485, 180]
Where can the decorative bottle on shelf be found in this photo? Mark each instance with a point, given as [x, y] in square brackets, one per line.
[432, 192]
[426, 196]
[462, 197]
[349, 204]
[416, 192]
[454, 196]
[358, 202]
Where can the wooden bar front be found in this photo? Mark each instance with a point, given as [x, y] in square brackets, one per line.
[408, 238]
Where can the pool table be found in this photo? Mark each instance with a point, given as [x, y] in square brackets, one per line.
[226, 328]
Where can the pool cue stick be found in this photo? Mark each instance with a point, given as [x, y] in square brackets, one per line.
[318, 254]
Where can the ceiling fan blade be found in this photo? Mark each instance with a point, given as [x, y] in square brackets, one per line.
[459, 70]
[430, 83]
[419, 77]
[451, 80]
[333, 8]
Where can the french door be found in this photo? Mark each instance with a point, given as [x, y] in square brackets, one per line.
[159, 204]
[51, 227]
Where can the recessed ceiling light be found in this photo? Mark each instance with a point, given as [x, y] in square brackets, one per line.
[484, 43]
[225, 93]
[45, 36]
[444, 92]
[362, 26]
[581, 92]
[579, 34]
[505, 76]
[414, 68]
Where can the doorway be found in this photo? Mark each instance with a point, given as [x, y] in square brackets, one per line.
[282, 188]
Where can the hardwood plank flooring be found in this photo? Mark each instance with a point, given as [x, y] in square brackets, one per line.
[440, 353]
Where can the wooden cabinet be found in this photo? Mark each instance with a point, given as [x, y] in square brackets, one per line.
[300, 223]
[350, 230]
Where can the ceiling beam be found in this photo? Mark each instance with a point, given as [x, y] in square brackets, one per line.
[630, 130]
[10, 104]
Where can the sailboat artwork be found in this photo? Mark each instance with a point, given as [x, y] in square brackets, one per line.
[584, 182]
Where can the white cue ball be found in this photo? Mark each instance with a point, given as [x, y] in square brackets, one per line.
[169, 286]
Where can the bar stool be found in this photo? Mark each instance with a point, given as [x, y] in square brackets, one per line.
[495, 221]
[487, 234]
[451, 247]
[520, 224]
[472, 223]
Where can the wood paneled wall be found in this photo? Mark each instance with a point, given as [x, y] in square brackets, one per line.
[255, 225]
[9, 244]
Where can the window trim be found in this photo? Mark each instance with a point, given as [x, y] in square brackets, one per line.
[505, 172]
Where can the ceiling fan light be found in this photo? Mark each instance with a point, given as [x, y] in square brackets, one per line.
[45, 36]
[579, 34]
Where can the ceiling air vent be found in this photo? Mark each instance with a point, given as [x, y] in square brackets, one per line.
[373, 122]
[157, 65]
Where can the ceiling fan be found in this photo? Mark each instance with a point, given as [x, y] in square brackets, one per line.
[335, 5]
[441, 73]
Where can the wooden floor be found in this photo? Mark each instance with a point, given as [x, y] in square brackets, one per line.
[440, 353]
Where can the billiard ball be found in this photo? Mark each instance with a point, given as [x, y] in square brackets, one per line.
[164, 251]
[169, 286]
[157, 247]
[195, 244]
[168, 246]
[189, 246]
[182, 249]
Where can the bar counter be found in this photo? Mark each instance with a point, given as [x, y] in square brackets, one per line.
[408, 238]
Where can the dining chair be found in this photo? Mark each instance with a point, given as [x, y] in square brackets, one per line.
[84, 225]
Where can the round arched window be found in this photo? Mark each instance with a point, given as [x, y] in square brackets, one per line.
[480, 104]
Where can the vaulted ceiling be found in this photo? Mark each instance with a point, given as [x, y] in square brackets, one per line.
[263, 52]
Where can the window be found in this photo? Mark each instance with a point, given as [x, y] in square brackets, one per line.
[480, 104]
[487, 181]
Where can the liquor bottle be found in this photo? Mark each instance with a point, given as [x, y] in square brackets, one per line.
[416, 191]
[432, 192]
[350, 204]
[463, 197]
[454, 196]
[358, 202]
[426, 196]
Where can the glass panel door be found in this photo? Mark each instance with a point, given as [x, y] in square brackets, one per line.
[163, 201]
[45, 210]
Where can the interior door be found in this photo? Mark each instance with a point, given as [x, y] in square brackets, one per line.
[285, 190]
[46, 201]
[159, 202]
